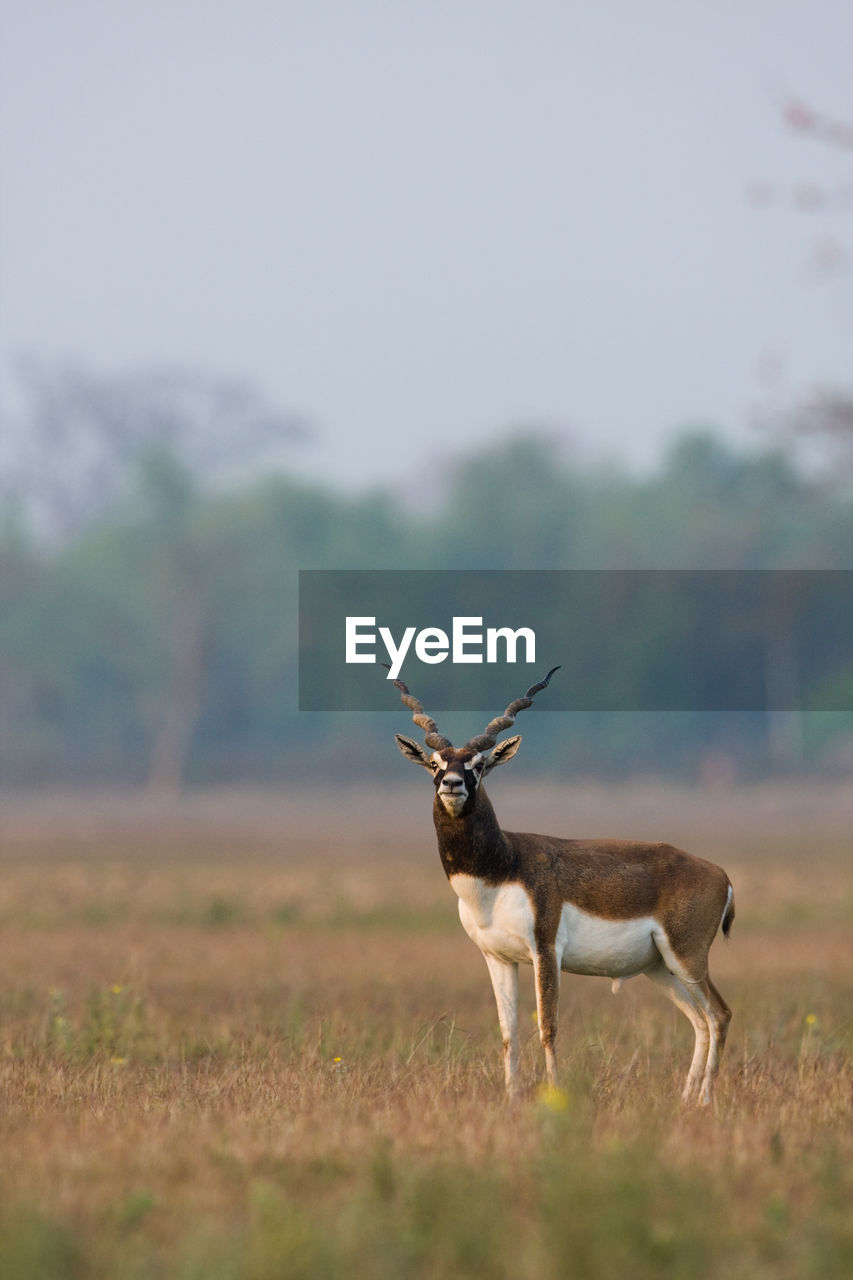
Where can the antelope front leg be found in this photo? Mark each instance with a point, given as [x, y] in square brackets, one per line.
[504, 977]
[547, 976]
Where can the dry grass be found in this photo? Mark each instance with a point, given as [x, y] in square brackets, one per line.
[239, 1040]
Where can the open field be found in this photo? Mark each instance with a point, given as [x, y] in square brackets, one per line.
[243, 1037]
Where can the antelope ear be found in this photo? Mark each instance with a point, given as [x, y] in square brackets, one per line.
[412, 751]
[502, 752]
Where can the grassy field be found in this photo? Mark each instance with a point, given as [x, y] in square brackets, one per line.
[243, 1037]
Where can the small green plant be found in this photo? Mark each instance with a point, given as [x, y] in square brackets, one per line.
[113, 1025]
[58, 1031]
[34, 1247]
[809, 1047]
[223, 912]
[131, 1213]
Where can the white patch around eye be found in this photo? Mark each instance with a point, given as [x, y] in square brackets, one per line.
[475, 767]
[437, 761]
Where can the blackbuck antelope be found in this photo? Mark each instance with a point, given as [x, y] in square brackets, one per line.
[615, 908]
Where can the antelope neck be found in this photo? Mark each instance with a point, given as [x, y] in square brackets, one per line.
[473, 844]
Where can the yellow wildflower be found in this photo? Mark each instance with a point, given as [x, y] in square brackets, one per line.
[553, 1097]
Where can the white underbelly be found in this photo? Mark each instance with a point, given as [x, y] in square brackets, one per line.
[499, 918]
[612, 948]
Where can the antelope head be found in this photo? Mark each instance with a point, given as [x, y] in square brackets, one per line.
[458, 771]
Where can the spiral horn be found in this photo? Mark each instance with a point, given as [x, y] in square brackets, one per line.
[432, 737]
[487, 739]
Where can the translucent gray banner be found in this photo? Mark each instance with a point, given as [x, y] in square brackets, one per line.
[645, 640]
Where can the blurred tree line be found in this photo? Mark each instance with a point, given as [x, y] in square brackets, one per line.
[148, 616]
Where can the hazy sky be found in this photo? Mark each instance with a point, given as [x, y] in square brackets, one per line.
[419, 223]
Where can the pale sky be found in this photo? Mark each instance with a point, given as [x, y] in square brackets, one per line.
[419, 223]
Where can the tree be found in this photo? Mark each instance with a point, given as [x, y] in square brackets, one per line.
[87, 447]
[72, 453]
[820, 426]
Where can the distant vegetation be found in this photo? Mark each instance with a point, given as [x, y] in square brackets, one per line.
[156, 643]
